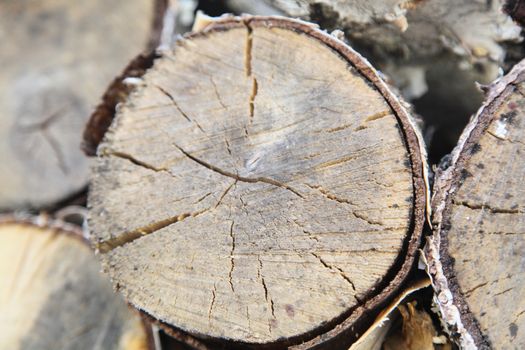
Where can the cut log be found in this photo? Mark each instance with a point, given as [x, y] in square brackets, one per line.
[260, 186]
[53, 296]
[57, 58]
[476, 252]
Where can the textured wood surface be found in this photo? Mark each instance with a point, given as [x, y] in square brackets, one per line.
[53, 296]
[57, 58]
[260, 185]
[479, 203]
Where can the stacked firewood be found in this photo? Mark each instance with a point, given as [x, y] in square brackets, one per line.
[237, 174]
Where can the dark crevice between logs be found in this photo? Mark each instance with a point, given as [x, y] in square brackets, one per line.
[516, 10]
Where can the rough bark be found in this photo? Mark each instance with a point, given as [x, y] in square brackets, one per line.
[476, 253]
[260, 186]
[347, 14]
[57, 57]
[253, 8]
[53, 296]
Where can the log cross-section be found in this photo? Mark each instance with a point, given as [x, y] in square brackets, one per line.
[476, 253]
[260, 186]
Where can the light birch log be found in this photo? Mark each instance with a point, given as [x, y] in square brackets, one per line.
[53, 295]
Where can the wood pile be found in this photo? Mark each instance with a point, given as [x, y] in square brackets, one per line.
[259, 179]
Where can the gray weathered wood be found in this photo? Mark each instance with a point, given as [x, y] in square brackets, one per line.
[57, 58]
[260, 185]
[476, 253]
[348, 14]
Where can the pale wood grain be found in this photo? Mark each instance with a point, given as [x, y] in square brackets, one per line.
[53, 296]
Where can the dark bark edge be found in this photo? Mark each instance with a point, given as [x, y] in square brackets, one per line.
[516, 10]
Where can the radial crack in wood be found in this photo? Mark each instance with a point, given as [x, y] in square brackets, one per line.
[236, 176]
[295, 223]
[476, 253]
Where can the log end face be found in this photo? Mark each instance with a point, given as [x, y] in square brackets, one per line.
[263, 228]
